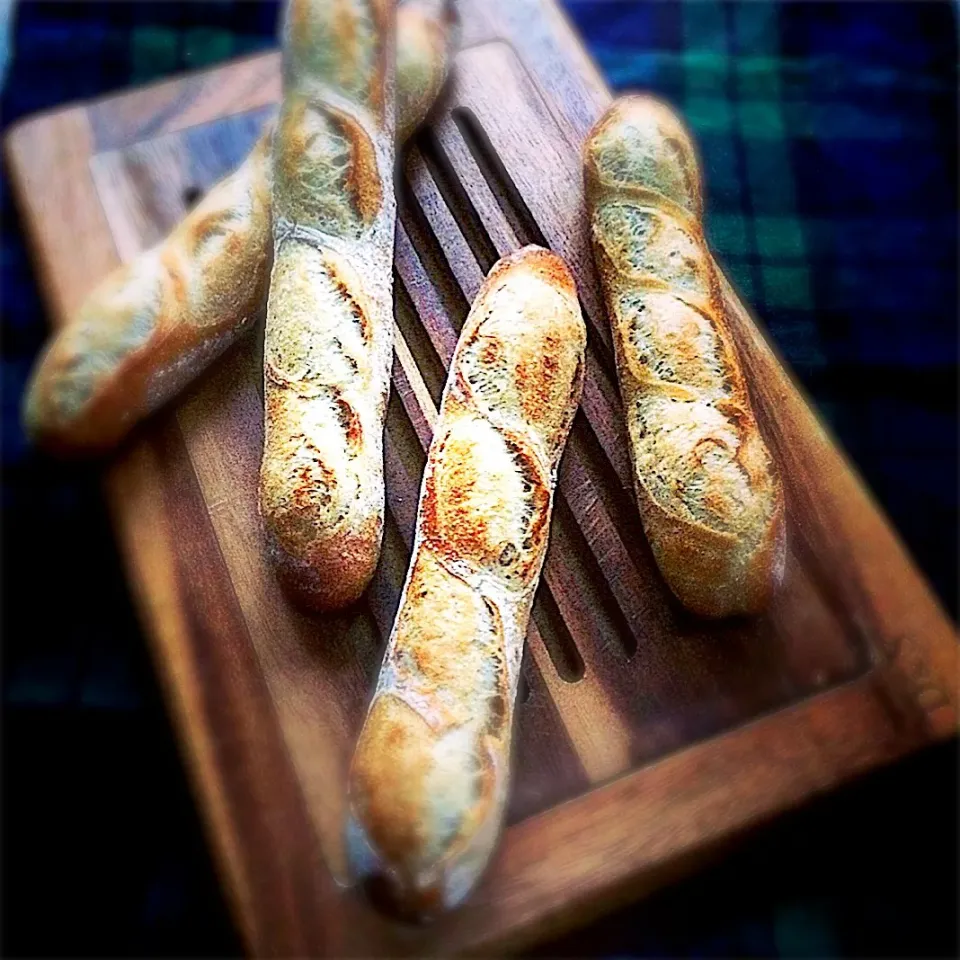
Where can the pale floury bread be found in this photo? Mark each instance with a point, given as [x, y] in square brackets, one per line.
[431, 771]
[155, 324]
[708, 491]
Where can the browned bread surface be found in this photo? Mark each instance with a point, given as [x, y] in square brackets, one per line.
[708, 492]
[431, 770]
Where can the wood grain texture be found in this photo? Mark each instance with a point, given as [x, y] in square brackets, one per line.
[645, 738]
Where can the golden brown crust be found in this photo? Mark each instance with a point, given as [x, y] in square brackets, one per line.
[325, 164]
[707, 570]
[640, 147]
[708, 492]
[475, 465]
[430, 774]
[88, 389]
[334, 572]
[391, 757]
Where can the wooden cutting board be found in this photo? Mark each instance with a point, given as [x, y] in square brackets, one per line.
[645, 739]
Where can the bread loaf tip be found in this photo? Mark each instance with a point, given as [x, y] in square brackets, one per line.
[332, 574]
[153, 324]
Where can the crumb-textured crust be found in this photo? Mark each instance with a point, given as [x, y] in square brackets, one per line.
[430, 774]
[155, 324]
[708, 491]
[328, 343]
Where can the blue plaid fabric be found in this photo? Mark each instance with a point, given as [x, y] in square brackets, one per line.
[828, 132]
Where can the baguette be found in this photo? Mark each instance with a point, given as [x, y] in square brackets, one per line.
[328, 345]
[155, 324]
[429, 778]
[709, 495]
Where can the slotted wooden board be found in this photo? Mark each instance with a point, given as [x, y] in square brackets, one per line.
[645, 738]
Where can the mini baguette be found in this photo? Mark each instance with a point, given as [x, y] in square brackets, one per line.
[155, 324]
[430, 775]
[708, 492]
[328, 344]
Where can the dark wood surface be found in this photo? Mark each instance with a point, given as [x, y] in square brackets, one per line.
[646, 739]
